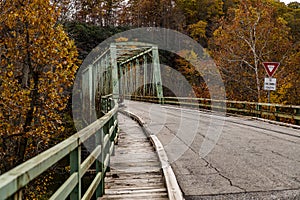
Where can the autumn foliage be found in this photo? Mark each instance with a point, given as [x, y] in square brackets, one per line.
[39, 60]
[251, 35]
[38, 64]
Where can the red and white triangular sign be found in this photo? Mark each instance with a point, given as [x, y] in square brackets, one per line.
[271, 67]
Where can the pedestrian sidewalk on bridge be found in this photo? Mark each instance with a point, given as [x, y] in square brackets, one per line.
[135, 168]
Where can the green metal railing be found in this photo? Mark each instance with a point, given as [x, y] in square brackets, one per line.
[105, 131]
[285, 113]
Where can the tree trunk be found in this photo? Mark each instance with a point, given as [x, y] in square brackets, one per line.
[257, 85]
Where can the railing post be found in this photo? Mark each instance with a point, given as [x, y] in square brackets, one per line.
[297, 113]
[258, 110]
[100, 163]
[75, 161]
[17, 196]
[109, 125]
[115, 131]
[276, 112]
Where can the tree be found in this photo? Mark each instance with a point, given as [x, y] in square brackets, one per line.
[201, 18]
[97, 12]
[38, 65]
[251, 34]
[149, 13]
[288, 91]
[293, 19]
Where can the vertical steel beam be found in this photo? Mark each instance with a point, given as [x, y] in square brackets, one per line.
[130, 78]
[121, 84]
[114, 73]
[125, 80]
[85, 95]
[145, 75]
[107, 81]
[91, 93]
[102, 78]
[157, 74]
[137, 76]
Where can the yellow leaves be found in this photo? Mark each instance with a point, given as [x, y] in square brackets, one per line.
[37, 84]
[198, 30]
[60, 90]
[281, 21]
[10, 74]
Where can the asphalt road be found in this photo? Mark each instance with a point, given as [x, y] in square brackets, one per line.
[225, 157]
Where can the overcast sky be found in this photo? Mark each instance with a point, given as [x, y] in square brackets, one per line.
[288, 1]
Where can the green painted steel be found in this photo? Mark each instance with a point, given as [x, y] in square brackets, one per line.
[137, 76]
[100, 80]
[17, 178]
[131, 78]
[130, 62]
[157, 74]
[289, 113]
[145, 75]
[114, 71]
[75, 160]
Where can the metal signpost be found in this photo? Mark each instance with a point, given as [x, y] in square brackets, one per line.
[270, 83]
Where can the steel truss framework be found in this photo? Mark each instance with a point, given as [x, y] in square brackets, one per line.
[124, 69]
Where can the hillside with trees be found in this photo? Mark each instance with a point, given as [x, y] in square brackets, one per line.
[239, 35]
[42, 44]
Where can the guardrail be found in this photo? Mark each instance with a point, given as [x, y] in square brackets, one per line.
[105, 131]
[283, 113]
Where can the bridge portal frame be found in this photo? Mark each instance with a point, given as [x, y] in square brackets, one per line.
[117, 72]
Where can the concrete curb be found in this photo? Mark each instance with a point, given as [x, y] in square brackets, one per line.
[277, 123]
[174, 191]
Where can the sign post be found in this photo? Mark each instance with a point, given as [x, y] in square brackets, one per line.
[270, 83]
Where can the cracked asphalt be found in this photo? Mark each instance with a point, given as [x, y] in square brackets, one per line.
[247, 159]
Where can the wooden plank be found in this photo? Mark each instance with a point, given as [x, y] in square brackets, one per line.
[139, 196]
[135, 169]
[135, 191]
[173, 189]
[136, 188]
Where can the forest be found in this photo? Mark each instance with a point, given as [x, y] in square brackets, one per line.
[239, 35]
[42, 44]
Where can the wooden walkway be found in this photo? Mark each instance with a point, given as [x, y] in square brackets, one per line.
[135, 169]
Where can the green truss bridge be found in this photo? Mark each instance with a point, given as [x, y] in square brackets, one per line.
[134, 142]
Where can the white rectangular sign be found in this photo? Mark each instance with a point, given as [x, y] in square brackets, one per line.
[270, 84]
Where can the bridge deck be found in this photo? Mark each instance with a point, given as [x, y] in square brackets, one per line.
[251, 160]
[135, 169]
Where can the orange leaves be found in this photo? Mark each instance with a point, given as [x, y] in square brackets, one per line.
[251, 35]
[38, 65]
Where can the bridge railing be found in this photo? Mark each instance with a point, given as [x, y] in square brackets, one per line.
[285, 113]
[105, 132]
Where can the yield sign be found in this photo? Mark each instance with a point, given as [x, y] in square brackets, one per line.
[271, 67]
